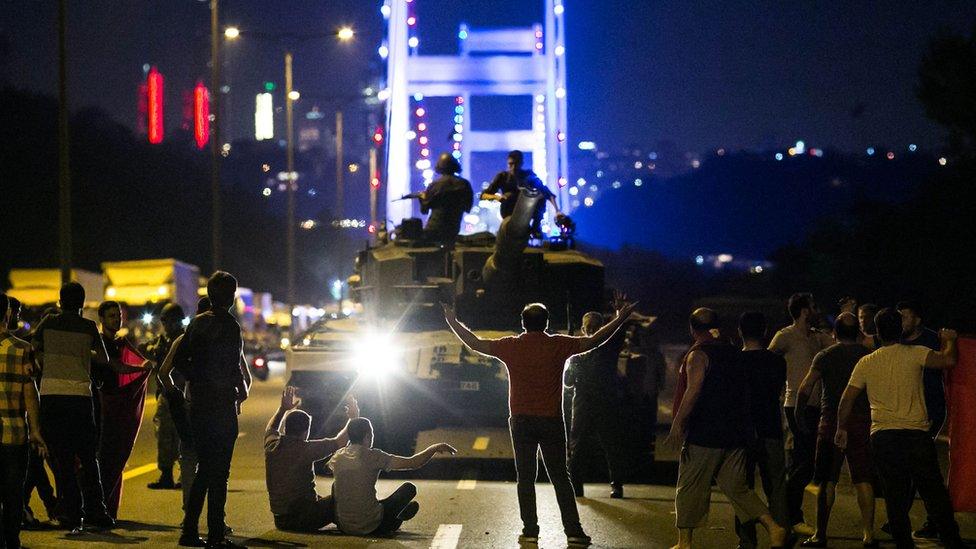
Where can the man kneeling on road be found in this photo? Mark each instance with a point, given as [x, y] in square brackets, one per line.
[356, 469]
[288, 462]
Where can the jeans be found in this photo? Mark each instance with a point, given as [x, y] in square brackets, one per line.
[768, 455]
[310, 518]
[802, 459]
[597, 424]
[13, 471]
[213, 418]
[37, 478]
[68, 428]
[904, 458]
[529, 434]
[392, 506]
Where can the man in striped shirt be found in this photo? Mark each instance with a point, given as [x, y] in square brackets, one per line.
[18, 404]
[65, 344]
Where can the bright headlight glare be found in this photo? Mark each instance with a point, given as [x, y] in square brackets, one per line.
[375, 355]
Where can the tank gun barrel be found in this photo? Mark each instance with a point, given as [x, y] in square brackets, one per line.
[502, 267]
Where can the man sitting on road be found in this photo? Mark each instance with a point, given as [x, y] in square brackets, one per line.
[356, 469]
[289, 457]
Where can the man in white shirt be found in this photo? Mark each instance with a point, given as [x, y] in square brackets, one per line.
[903, 451]
[356, 469]
[798, 343]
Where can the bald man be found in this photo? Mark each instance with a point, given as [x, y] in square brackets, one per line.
[714, 426]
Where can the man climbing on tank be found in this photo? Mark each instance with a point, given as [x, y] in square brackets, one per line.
[446, 199]
[508, 184]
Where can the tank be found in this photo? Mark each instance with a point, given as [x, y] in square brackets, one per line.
[408, 371]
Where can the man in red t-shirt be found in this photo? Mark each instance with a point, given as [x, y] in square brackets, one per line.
[535, 361]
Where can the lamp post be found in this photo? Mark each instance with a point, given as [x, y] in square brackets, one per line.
[292, 183]
[344, 34]
[215, 131]
[64, 173]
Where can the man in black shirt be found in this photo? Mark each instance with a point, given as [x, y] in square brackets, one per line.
[446, 199]
[914, 332]
[209, 356]
[833, 366]
[713, 423]
[766, 375]
[597, 396]
[510, 181]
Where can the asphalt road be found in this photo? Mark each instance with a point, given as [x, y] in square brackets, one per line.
[463, 512]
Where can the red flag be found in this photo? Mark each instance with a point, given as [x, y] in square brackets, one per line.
[960, 396]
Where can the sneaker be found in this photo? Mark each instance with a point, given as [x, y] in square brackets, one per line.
[103, 522]
[579, 539]
[927, 531]
[165, 482]
[616, 491]
[803, 529]
[409, 511]
[528, 540]
[224, 543]
[191, 540]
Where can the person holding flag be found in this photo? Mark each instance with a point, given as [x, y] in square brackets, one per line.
[121, 399]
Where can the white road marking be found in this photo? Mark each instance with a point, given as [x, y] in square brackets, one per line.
[140, 470]
[481, 444]
[467, 484]
[447, 536]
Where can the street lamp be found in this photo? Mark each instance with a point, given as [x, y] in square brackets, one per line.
[344, 34]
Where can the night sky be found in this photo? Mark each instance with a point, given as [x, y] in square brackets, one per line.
[702, 74]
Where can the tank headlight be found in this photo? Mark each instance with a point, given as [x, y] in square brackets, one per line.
[376, 356]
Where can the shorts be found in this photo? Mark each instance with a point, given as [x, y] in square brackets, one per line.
[830, 458]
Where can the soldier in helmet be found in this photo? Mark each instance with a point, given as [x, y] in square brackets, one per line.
[508, 184]
[447, 198]
[167, 437]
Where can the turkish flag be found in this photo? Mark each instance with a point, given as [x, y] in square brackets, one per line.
[961, 399]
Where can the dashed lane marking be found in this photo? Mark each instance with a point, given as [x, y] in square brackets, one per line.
[481, 444]
[140, 470]
[447, 536]
[467, 484]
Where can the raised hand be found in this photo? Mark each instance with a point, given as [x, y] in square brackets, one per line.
[351, 407]
[289, 400]
[946, 334]
[619, 300]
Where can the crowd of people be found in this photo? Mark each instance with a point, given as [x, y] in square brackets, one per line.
[870, 393]
[73, 396]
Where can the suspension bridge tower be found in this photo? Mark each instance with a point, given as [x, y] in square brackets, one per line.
[529, 61]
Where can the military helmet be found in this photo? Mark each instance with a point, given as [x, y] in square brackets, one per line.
[171, 311]
[447, 164]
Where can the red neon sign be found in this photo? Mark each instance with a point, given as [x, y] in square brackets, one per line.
[201, 115]
[154, 92]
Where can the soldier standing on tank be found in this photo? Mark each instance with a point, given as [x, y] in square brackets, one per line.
[510, 181]
[447, 199]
